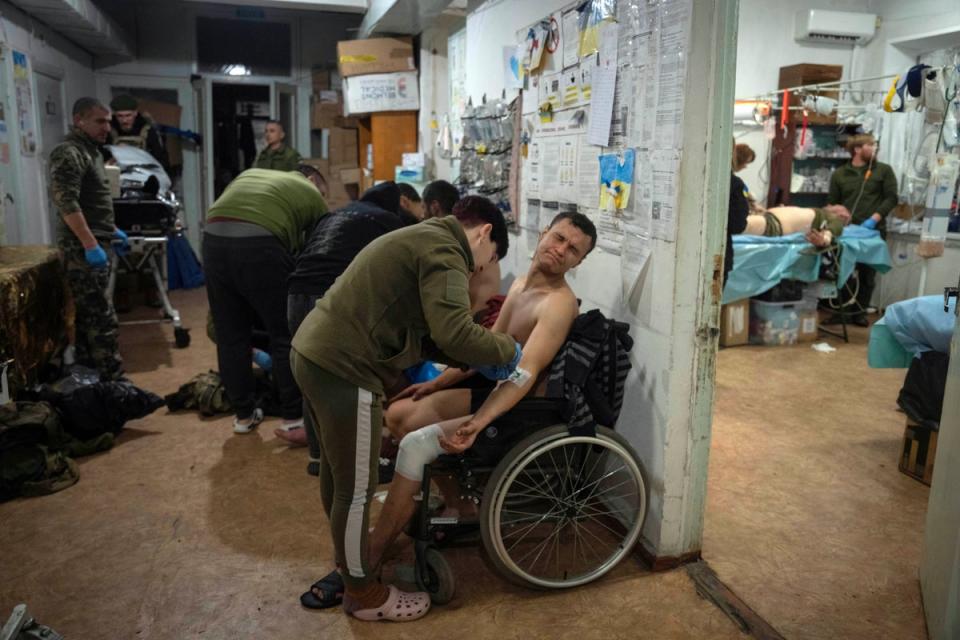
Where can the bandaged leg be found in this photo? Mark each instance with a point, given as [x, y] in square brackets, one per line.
[418, 448]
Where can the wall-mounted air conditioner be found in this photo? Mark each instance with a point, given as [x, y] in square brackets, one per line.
[834, 27]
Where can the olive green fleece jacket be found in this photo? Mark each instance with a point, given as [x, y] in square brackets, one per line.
[402, 298]
[879, 190]
[283, 202]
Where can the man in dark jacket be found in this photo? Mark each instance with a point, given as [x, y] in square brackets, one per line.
[334, 243]
[129, 127]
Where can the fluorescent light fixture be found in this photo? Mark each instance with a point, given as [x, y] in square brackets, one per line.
[235, 70]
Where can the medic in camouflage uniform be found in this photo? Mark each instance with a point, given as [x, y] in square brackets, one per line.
[81, 193]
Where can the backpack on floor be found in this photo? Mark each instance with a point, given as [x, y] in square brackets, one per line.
[204, 392]
[31, 460]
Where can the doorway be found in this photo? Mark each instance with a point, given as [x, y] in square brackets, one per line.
[240, 114]
[52, 131]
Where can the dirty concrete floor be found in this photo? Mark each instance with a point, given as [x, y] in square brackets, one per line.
[184, 530]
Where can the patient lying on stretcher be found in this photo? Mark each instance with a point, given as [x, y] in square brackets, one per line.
[821, 226]
[434, 418]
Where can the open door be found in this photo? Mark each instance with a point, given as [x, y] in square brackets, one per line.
[940, 565]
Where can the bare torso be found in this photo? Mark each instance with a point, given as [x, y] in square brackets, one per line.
[792, 220]
[523, 309]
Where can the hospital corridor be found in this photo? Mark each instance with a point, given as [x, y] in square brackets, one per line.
[598, 319]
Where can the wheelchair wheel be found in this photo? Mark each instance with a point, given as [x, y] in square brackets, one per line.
[560, 510]
[440, 581]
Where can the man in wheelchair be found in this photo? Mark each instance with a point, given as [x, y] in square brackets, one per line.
[445, 414]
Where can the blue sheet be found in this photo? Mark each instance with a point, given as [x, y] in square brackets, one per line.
[907, 329]
[759, 262]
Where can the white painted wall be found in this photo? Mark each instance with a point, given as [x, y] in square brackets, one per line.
[659, 410]
[906, 19]
[168, 62]
[26, 176]
[435, 92]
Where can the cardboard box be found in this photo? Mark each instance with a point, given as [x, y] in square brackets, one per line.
[735, 323]
[339, 194]
[809, 326]
[321, 80]
[381, 92]
[326, 115]
[353, 175]
[341, 147]
[323, 115]
[376, 55]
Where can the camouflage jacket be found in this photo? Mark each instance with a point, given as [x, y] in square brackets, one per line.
[78, 181]
[285, 158]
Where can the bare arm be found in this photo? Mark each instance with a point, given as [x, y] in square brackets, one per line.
[454, 375]
[553, 325]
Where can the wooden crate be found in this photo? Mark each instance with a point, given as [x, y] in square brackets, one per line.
[919, 452]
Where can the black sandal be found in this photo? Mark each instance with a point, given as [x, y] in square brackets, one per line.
[331, 592]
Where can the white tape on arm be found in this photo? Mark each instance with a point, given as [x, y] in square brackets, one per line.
[519, 377]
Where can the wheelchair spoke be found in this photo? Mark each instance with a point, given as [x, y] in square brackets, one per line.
[606, 490]
[596, 483]
[599, 539]
[531, 527]
[542, 545]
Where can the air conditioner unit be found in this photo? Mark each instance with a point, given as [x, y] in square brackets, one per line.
[834, 27]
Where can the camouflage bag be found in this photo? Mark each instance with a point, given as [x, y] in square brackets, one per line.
[204, 392]
[31, 460]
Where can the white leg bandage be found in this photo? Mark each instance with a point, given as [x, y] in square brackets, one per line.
[418, 448]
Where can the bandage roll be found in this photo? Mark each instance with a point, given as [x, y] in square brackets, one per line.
[418, 448]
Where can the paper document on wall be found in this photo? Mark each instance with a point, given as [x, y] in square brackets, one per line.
[531, 171]
[665, 166]
[549, 169]
[609, 232]
[636, 218]
[604, 84]
[570, 38]
[588, 175]
[633, 259]
[567, 183]
[601, 105]
[674, 29]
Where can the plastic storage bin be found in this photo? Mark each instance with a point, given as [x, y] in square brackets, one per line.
[775, 323]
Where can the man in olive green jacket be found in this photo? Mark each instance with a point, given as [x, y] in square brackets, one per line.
[402, 300]
[252, 232]
[277, 155]
[865, 187]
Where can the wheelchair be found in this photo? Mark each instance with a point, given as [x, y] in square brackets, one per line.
[557, 510]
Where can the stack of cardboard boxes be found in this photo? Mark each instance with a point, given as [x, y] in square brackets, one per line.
[339, 160]
[376, 75]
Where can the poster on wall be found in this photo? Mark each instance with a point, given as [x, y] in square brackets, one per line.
[21, 83]
[457, 68]
[4, 137]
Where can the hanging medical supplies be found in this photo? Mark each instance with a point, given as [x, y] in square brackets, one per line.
[936, 218]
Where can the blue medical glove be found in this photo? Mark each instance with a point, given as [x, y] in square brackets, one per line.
[501, 371]
[123, 247]
[96, 257]
[869, 223]
[262, 359]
